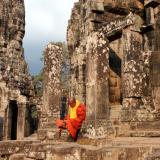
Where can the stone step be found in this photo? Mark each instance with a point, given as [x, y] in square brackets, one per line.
[114, 111]
[144, 133]
[52, 134]
[145, 125]
[49, 125]
[17, 157]
[122, 148]
[10, 147]
[129, 148]
[31, 137]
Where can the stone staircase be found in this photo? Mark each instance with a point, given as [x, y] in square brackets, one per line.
[117, 149]
[46, 144]
[124, 148]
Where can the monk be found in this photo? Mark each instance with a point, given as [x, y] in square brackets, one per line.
[73, 121]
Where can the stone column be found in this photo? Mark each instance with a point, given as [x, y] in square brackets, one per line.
[97, 82]
[97, 75]
[2, 119]
[52, 90]
[3, 106]
[2, 113]
[21, 120]
[5, 129]
[7, 124]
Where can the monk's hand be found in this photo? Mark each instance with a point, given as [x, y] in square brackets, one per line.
[61, 123]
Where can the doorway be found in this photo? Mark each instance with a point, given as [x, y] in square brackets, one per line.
[12, 120]
[114, 78]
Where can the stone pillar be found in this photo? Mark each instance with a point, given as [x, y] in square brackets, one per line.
[5, 129]
[2, 113]
[2, 119]
[153, 36]
[21, 120]
[4, 133]
[52, 90]
[97, 76]
[97, 82]
[136, 74]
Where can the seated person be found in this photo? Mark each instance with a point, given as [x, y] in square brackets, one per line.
[73, 121]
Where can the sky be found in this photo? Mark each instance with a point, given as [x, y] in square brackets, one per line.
[46, 21]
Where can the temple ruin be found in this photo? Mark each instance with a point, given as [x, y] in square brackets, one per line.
[15, 82]
[114, 55]
[114, 63]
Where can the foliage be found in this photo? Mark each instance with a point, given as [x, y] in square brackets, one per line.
[34, 113]
[38, 83]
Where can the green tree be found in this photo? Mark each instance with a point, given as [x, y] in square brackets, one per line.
[38, 83]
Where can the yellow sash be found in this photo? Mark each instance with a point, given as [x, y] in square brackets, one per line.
[72, 111]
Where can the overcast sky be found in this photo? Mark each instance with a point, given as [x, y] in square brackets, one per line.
[46, 21]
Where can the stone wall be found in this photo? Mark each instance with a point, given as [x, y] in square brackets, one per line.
[115, 41]
[15, 81]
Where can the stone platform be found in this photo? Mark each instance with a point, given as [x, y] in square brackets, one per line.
[130, 148]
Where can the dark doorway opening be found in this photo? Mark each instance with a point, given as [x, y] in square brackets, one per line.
[13, 114]
[63, 107]
[31, 120]
[115, 96]
[1, 128]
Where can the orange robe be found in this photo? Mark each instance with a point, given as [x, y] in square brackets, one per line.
[74, 124]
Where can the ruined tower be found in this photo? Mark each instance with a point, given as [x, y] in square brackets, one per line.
[15, 82]
[50, 110]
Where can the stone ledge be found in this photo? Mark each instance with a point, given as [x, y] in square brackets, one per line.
[130, 147]
[12, 147]
[119, 148]
[145, 133]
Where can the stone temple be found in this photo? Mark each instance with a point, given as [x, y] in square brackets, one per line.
[114, 52]
[16, 86]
